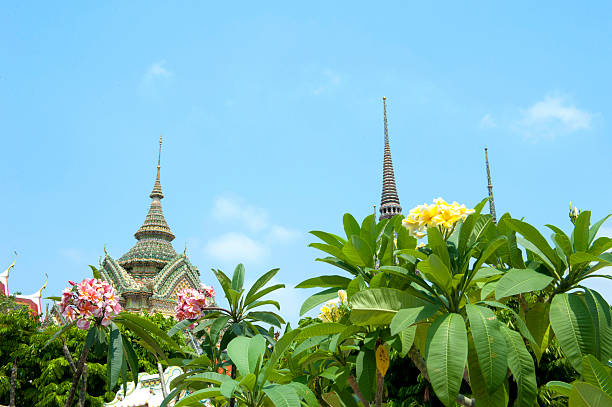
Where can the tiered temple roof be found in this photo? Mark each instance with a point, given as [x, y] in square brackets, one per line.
[151, 273]
[32, 301]
[389, 202]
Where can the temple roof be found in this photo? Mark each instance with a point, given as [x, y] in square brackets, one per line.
[389, 202]
[154, 237]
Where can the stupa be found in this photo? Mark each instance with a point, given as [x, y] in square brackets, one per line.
[149, 276]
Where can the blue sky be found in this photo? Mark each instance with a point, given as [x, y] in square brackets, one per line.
[272, 123]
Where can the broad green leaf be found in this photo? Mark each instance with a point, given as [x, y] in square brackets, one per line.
[351, 227]
[238, 351]
[282, 395]
[227, 388]
[209, 377]
[522, 368]
[435, 271]
[583, 257]
[597, 374]
[262, 303]
[267, 317]
[560, 388]
[571, 322]
[538, 323]
[581, 231]
[95, 272]
[179, 327]
[150, 327]
[490, 345]
[599, 310]
[438, 245]
[488, 289]
[366, 372]
[256, 349]
[337, 282]
[368, 229]
[516, 281]
[363, 250]
[115, 355]
[406, 317]
[329, 249]
[587, 395]
[600, 245]
[238, 277]
[522, 327]
[562, 240]
[265, 291]
[324, 328]
[595, 228]
[199, 395]
[304, 393]
[329, 238]
[446, 355]
[489, 251]
[378, 306]
[499, 398]
[532, 235]
[318, 299]
[407, 339]
[261, 281]
[248, 381]
[279, 349]
[131, 357]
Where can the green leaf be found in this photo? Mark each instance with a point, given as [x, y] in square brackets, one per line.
[489, 251]
[490, 345]
[499, 398]
[407, 339]
[571, 322]
[351, 227]
[516, 281]
[115, 355]
[256, 350]
[438, 245]
[279, 349]
[587, 395]
[329, 238]
[58, 333]
[595, 228]
[268, 317]
[179, 327]
[324, 328]
[601, 320]
[581, 231]
[262, 303]
[248, 381]
[317, 299]
[150, 327]
[337, 282]
[238, 277]
[366, 372]
[406, 317]
[237, 350]
[329, 249]
[522, 327]
[522, 368]
[209, 377]
[378, 306]
[446, 355]
[583, 257]
[597, 374]
[435, 271]
[95, 272]
[305, 394]
[198, 396]
[265, 291]
[132, 358]
[538, 322]
[560, 388]
[363, 250]
[282, 395]
[533, 236]
[227, 388]
[261, 281]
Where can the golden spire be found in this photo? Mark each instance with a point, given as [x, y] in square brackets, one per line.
[157, 191]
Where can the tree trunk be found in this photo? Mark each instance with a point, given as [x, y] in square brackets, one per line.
[13, 383]
[83, 391]
[162, 380]
[68, 356]
[380, 381]
[77, 376]
[353, 383]
[233, 399]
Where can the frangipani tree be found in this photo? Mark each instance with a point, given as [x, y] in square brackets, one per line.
[442, 296]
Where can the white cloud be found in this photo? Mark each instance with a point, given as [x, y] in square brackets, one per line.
[487, 122]
[553, 116]
[329, 80]
[281, 234]
[236, 247]
[157, 70]
[226, 208]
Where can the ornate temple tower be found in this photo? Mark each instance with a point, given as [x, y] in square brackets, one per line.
[149, 276]
[389, 202]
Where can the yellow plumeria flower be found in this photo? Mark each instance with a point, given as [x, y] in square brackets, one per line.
[342, 295]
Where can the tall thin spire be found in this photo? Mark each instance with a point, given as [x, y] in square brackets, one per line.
[157, 191]
[389, 202]
[490, 186]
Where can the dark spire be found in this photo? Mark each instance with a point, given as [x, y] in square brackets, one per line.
[490, 185]
[389, 202]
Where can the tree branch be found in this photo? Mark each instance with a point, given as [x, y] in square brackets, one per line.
[77, 376]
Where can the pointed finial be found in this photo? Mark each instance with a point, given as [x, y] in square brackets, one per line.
[385, 118]
[8, 270]
[490, 186]
[45, 284]
[157, 192]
